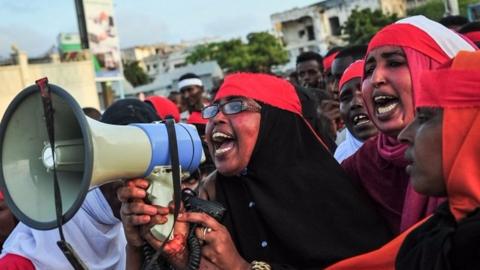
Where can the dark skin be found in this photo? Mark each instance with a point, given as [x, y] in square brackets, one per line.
[424, 139]
[192, 95]
[339, 65]
[218, 251]
[310, 74]
[351, 107]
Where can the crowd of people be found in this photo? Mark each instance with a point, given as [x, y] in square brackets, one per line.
[367, 158]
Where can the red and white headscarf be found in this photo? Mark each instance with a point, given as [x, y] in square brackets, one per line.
[426, 44]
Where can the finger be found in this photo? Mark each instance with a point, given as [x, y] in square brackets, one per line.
[135, 220]
[154, 242]
[158, 219]
[200, 218]
[138, 182]
[209, 254]
[127, 193]
[202, 233]
[162, 210]
[138, 208]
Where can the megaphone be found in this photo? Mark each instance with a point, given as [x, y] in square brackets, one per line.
[88, 153]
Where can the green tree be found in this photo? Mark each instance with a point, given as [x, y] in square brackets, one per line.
[363, 24]
[135, 74]
[435, 9]
[259, 54]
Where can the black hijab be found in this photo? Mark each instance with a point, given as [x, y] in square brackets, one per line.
[294, 205]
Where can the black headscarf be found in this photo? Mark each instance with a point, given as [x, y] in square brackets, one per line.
[294, 205]
[442, 244]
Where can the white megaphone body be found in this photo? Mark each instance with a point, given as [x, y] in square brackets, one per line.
[88, 153]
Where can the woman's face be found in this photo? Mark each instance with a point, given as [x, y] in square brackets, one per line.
[231, 138]
[387, 89]
[424, 139]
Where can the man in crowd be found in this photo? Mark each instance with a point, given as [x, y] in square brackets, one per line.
[309, 72]
[191, 89]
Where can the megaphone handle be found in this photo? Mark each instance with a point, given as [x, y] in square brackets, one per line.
[177, 191]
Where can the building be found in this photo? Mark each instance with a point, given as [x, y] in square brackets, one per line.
[159, 64]
[209, 72]
[140, 53]
[22, 73]
[317, 27]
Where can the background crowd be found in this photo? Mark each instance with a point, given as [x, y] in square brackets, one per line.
[365, 158]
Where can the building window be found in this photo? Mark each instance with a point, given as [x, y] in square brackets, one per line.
[179, 65]
[335, 26]
[301, 33]
[310, 32]
[155, 66]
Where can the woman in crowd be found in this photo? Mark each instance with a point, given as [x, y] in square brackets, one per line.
[353, 112]
[288, 202]
[443, 146]
[95, 231]
[396, 56]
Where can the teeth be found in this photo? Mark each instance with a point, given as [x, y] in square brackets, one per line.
[362, 122]
[222, 150]
[382, 98]
[386, 109]
[360, 119]
[219, 136]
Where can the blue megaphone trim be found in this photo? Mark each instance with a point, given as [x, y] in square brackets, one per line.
[189, 145]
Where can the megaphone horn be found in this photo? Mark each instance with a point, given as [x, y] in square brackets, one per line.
[88, 153]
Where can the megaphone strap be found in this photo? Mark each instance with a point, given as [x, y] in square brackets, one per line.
[48, 111]
[177, 196]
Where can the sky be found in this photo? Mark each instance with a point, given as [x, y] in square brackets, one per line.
[33, 25]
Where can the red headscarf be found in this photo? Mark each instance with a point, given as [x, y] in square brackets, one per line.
[196, 118]
[456, 88]
[473, 36]
[163, 106]
[355, 70]
[460, 142]
[432, 44]
[262, 87]
[328, 61]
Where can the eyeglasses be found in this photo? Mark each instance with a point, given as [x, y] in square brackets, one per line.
[229, 108]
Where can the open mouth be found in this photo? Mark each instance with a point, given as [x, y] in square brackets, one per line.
[222, 142]
[385, 104]
[360, 119]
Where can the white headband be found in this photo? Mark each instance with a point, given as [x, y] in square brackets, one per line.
[189, 82]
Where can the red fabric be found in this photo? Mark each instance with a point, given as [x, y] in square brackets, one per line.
[163, 106]
[327, 61]
[196, 118]
[460, 77]
[409, 36]
[473, 36]
[459, 96]
[1, 196]
[380, 166]
[355, 70]
[265, 88]
[15, 262]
